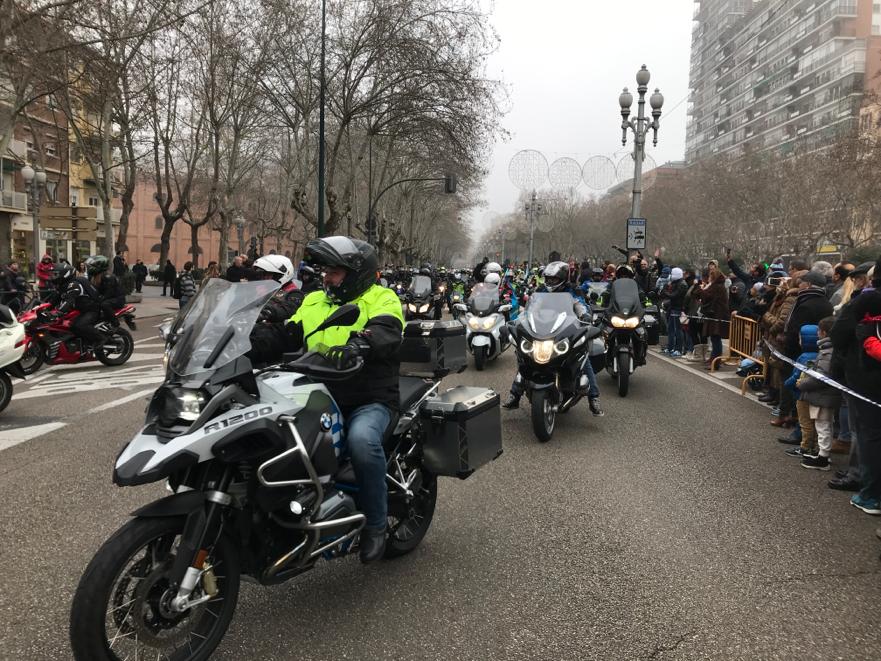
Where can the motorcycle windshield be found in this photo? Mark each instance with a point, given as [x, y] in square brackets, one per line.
[484, 299]
[546, 313]
[421, 286]
[624, 298]
[216, 325]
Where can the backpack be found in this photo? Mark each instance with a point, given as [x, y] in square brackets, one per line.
[175, 288]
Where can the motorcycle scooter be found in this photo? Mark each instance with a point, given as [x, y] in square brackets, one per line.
[12, 345]
[486, 331]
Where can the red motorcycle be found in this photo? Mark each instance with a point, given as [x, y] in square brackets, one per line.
[48, 339]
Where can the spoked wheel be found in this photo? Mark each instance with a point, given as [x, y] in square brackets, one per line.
[479, 358]
[409, 522]
[122, 606]
[623, 374]
[32, 359]
[117, 349]
[543, 415]
[5, 390]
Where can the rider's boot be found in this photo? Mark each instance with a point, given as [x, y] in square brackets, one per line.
[372, 544]
[594, 404]
[512, 402]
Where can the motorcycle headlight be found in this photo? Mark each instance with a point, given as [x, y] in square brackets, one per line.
[525, 346]
[441, 289]
[181, 404]
[542, 351]
[631, 322]
[424, 308]
[618, 322]
[474, 323]
[412, 307]
[561, 347]
[489, 322]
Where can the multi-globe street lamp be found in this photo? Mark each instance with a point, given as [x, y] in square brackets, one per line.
[35, 184]
[640, 126]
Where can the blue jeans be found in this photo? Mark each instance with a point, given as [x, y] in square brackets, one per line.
[593, 387]
[182, 301]
[843, 423]
[364, 428]
[674, 331]
[716, 344]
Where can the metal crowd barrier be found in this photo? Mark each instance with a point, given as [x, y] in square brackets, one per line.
[743, 339]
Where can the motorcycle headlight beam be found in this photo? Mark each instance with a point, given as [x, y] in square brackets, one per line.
[190, 403]
[561, 347]
[424, 308]
[542, 351]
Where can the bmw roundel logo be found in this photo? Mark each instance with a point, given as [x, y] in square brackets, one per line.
[326, 421]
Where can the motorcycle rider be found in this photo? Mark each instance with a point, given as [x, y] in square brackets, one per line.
[287, 299]
[81, 294]
[556, 280]
[112, 298]
[368, 399]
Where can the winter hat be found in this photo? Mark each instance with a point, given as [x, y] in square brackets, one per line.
[809, 334]
[676, 274]
[814, 279]
[665, 272]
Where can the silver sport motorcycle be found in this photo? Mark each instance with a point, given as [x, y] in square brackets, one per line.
[486, 327]
[260, 487]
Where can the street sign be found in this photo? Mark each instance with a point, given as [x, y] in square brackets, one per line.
[636, 233]
[68, 212]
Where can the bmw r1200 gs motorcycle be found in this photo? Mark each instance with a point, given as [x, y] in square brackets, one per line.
[255, 464]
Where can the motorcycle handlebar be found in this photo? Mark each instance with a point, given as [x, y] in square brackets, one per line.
[318, 365]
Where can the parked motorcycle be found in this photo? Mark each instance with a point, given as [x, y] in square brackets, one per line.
[486, 332]
[552, 345]
[12, 341]
[625, 330]
[48, 339]
[419, 302]
[260, 487]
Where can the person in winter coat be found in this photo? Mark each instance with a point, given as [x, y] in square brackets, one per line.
[864, 376]
[808, 336]
[674, 293]
[187, 284]
[714, 308]
[756, 273]
[139, 270]
[822, 399]
[169, 274]
[810, 306]
[45, 273]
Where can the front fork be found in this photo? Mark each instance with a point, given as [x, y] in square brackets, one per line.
[203, 527]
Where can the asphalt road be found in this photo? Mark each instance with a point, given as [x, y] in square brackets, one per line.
[672, 528]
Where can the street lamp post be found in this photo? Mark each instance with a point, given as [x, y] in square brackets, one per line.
[35, 183]
[533, 208]
[321, 103]
[640, 126]
[239, 220]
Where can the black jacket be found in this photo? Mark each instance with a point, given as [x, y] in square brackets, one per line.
[169, 274]
[111, 291]
[675, 293]
[810, 306]
[236, 273]
[864, 376]
[140, 271]
[81, 295]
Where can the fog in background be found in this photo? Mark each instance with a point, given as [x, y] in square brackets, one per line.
[565, 62]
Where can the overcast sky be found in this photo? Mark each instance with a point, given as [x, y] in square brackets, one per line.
[566, 61]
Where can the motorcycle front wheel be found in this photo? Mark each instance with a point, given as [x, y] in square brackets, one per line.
[121, 606]
[623, 373]
[543, 415]
[5, 390]
[480, 358]
[117, 349]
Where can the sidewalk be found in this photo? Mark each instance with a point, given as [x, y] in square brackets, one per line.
[153, 304]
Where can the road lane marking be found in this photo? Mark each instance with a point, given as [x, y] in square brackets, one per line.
[12, 437]
[124, 400]
[706, 377]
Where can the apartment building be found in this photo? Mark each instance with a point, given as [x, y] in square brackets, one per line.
[771, 74]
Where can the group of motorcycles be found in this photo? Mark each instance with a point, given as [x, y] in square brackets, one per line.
[40, 335]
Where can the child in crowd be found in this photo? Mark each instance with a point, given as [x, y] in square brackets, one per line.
[808, 340]
[822, 399]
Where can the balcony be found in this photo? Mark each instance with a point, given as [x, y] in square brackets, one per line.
[10, 200]
[19, 148]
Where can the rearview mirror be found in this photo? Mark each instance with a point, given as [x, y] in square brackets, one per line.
[345, 315]
[504, 308]
[461, 307]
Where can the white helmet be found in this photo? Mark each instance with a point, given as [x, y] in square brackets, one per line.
[492, 279]
[492, 267]
[279, 266]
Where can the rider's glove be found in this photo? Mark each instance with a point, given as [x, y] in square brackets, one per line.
[345, 356]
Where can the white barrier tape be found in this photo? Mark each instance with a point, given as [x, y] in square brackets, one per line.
[820, 376]
[699, 318]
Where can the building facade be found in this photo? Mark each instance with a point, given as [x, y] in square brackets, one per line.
[771, 74]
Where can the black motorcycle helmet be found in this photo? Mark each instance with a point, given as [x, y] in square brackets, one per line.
[624, 271]
[97, 265]
[556, 275]
[62, 273]
[357, 257]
